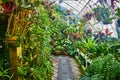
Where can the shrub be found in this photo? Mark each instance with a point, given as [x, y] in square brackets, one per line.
[107, 66]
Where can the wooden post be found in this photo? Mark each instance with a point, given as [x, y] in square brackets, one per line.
[13, 61]
[13, 56]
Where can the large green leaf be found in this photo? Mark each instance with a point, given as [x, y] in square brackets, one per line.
[118, 14]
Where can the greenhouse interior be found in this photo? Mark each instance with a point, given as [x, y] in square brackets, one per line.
[59, 39]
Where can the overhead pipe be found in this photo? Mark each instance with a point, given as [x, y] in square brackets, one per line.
[84, 7]
[71, 6]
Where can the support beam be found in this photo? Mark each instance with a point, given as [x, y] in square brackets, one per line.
[13, 62]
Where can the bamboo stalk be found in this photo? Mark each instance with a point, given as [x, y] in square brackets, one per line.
[14, 26]
[18, 25]
[9, 22]
[21, 22]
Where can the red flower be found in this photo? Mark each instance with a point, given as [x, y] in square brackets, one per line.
[9, 6]
[108, 32]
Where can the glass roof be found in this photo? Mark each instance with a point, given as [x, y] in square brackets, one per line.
[80, 7]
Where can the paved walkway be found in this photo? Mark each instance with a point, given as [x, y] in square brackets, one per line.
[65, 68]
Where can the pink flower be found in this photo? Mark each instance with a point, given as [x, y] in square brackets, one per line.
[35, 12]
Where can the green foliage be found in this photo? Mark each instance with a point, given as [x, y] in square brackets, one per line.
[118, 12]
[22, 70]
[36, 64]
[94, 77]
[102, 12]
[70, 29]
[114, 48]
[93, 49]
[97, 77]
[58, 37]
[4, 74]
[107, 66]
[102, 48]
[89, 44]
[72, 47]
[85, 77]
[38, 45]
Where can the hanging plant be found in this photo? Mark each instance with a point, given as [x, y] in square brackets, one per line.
[9, 6]
[88, 16]
[112, 5]
[97, 15]
[101, 13]
[108, 20]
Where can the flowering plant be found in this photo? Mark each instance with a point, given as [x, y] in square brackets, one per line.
[9, 6]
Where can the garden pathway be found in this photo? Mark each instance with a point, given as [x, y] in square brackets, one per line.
[65, 68]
